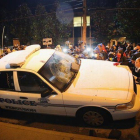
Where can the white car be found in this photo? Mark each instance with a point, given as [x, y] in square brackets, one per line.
[50, 82]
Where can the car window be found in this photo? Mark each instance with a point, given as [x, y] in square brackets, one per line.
[57, 70]
[6, 80]
[30, 82]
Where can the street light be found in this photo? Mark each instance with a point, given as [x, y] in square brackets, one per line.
[2, 38]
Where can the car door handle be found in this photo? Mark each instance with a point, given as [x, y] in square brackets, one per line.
[23, 98]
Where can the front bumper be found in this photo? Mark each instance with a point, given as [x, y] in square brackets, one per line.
[127, 114]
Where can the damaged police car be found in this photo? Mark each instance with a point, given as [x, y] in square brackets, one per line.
[50, 82]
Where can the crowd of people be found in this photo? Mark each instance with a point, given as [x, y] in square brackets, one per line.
[7, 50]
[121, 54]
[125, 55]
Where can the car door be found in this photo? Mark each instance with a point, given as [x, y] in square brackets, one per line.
[31, 87]
[8, 95]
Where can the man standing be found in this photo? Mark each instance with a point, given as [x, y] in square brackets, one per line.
[136, 72]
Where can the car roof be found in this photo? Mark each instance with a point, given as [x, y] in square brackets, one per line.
[38, 59]
[26, 59]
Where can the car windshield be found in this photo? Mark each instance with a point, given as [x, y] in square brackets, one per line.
[57, 70]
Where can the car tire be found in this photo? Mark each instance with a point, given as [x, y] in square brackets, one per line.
[94, 116]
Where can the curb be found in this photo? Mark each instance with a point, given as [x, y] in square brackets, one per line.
[14, 132]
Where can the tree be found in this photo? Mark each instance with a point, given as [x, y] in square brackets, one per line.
[128, 17]
[4, 17]
[22, 27]
[47, 25]
[103, 25]
[40, 23]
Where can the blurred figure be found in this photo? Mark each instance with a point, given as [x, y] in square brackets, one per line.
[5, 51]
[101, 52]
[107, 49]
[136, 72]
[111, 56]
[136, 54]
[120, 57]
[128, 52]
[8, 50]
[113, 49]
[58, 48]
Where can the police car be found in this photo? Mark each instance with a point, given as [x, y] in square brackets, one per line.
[50, 82]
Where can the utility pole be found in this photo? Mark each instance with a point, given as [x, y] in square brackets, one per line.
[2, 38]
[84, 21]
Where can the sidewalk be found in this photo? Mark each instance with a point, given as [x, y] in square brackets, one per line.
[15, 132]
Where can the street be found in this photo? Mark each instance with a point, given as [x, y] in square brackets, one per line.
[130, 129]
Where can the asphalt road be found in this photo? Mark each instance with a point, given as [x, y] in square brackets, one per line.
[130, 129]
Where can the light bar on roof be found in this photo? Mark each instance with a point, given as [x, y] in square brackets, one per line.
[23, 55]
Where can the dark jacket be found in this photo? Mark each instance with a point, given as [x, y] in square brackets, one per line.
[123, 60]
[137, 74]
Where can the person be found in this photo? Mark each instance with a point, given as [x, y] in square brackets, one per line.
[136, 54]
[120, 57]
[136, 71]
[101, 52]
[111, 56]
[128, 52]
[113, 49]
[130, 45]
[5, 50]
[58, 48]
[8, 50]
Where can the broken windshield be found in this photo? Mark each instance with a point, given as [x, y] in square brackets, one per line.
[57, 70]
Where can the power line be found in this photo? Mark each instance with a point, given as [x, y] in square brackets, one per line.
[46, 5]
[114, 9]
[40, 15]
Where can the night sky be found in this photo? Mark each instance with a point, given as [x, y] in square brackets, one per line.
[13, 4]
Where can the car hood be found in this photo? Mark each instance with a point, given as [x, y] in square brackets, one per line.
[102, 79]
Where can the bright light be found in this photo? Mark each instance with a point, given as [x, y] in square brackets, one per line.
[88, 49]
[94, 55]
[78, 21]
[65, 50]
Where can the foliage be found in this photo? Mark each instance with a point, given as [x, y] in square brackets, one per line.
[4, 17]
[103, 25]
[39, 24]
[22, 26]
[58, 30]
[128, 17]
[46, 25]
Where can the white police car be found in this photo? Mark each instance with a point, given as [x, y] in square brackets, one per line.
[51, 82]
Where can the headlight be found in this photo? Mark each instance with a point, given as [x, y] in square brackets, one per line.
[126, 105]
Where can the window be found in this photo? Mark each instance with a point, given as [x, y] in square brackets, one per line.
[57, 70]
[78, 21]
[29, 82]
[6, 80]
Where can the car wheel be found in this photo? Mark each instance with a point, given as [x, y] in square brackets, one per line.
[94, 117]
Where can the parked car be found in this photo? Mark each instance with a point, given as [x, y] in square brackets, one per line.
[51, 82]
